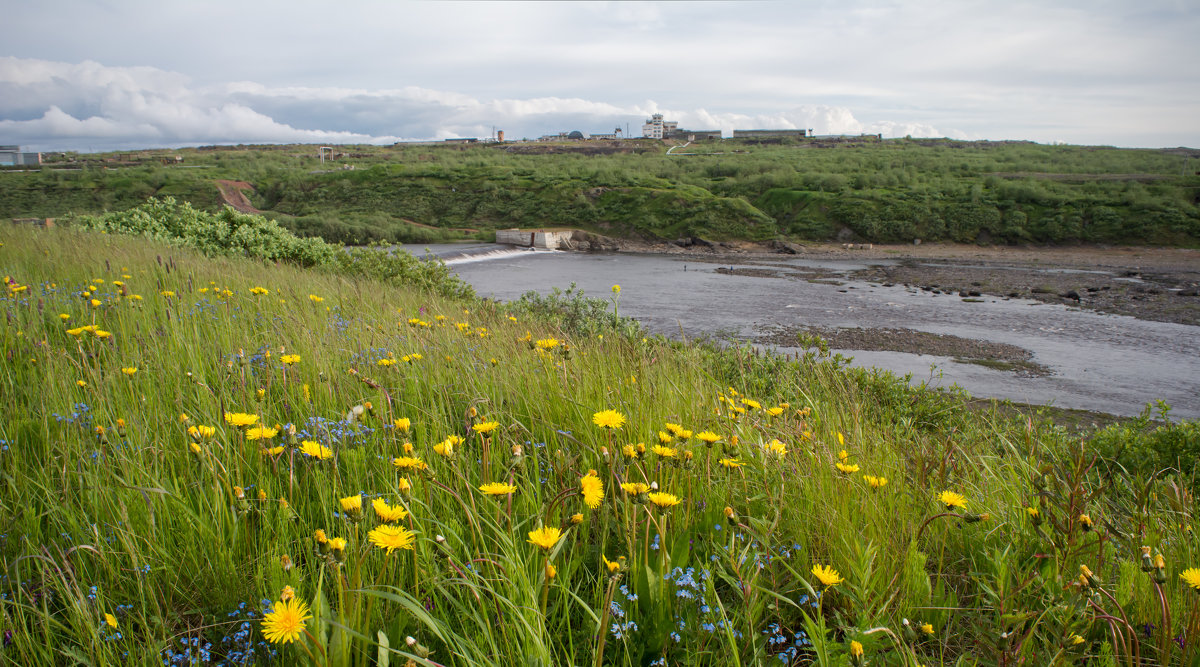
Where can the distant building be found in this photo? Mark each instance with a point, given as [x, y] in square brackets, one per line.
[463, 140]
[769, 134]
[657, 128]
[11, 156]
[692, 135]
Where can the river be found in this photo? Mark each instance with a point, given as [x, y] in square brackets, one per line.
[1108, 363]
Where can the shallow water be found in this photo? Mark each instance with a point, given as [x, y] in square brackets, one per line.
[1110, 363]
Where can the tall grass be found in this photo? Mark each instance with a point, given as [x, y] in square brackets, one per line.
[111, 507]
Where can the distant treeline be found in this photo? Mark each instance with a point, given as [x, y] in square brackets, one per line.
[889, 191]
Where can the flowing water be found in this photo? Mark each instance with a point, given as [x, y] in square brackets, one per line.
[1110, 363]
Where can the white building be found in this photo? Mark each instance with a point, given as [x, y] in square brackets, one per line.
[657, 128]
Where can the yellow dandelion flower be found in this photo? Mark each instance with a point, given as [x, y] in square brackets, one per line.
[319, 536]
[875, 482]
[315, 450]
[129, 370]
[634, 488]
[663, 500]
[927, 628]
[351, 503]
[1191, 578]
[610, 419]
[387, 513]
[665, 438]
[843, 455]
[111, 621]
[629, 451]
[775, 411]
[674, 429]
[402, 424]
[732, 463]
[665, 452]
[545, 537]
[285, 621]
[273, 451]
[409, 463]
[240, 419]
[592, 489]
[611, 566]
[288, 593]
[856, 650]
[776, 448]
[289, 359]
[497, 489]
[315, 299]
[486, 427]
[391, 537]
[708, 437]
[827, 575]
[261, 433]
[847, 468]
[951, 500]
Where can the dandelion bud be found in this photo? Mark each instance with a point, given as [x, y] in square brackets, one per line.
[1035, 515]
[407, 447]
[440, 539]
[100, 434]
[604, 453]
[260, 394]
[576, 519]
[287, 594]
[471, 412]
[975, 518]
[653, 486]
[518, 451]
[733, 440]
[285, 561]
[909, 633]
[352, 507]
[1160, 569]
[239, 493]
[370, 408]
[856, 654]
[731, 516]
[262, 495]
[1147, 564]
[1088, 577]
[183, 418]
[551, 572]
[121, 427]
[338, 546]
[404, 486]
[1085, 522]
[1074, 642]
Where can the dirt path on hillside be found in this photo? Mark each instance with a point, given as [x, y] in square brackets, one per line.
[232, 192]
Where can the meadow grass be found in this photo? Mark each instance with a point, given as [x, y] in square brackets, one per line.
[838, 517]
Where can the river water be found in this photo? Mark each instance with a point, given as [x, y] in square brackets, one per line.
[1109, 363]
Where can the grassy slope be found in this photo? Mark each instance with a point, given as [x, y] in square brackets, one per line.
[880, 191]
[171, 551]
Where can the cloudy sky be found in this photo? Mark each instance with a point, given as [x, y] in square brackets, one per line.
[109, 74]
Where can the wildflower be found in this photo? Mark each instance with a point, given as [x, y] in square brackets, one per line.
[875, 482]
[285, 561]
[167, 293]
[95, 303]
[387, 513]
[285, 621]
[732, 463]
[545, 537]
[286, 594]
[391, 538]
[402, 424]
[675, 429]
[951, 500]
[576, 519]
[663, 500]
[315, 299]
[708, 437]
[551, 571]
[616, 289]
[843, 456]
[351, 504]
[630, 451]
[665, 452]
[856, 653]
[64, 317]
[320, 537]
[80, 383]
[665, 438]
[240, 419]
[775, 411]
[111, 621]
[829, 577]
[404, 486]
[611, 566]
[129, 370]
[338, 546]
[547, 343]
[315, 450]
[445, 447]
[1075, 640]
[1191, 578]
[289, 359]
[385, 362]
[485, 427]
[259, 291]
[261, 433]
[409, 463]
[927, 628]
[634, 488]
[1085, 522]
[497, 489]
[610, 419]
[776, 447]
[592, 489]
[1087, 578]
[847, 468]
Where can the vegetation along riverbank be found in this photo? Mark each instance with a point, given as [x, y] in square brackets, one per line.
[225, 445]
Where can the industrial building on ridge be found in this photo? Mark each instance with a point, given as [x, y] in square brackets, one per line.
[11, 156]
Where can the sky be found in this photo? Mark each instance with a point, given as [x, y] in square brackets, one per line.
[122, 74]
